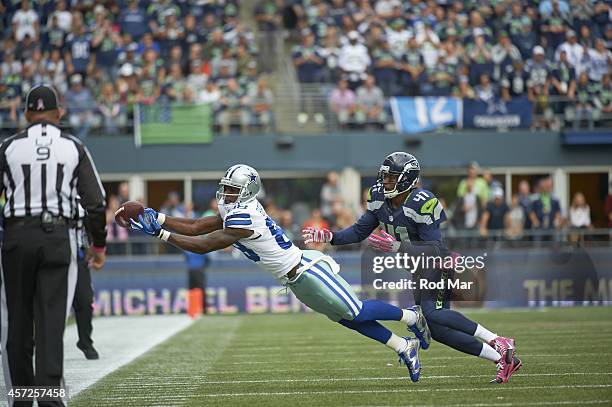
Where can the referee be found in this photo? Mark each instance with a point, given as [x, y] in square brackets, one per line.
[42, 170]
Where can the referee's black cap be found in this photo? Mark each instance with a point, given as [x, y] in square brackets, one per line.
[41, 98]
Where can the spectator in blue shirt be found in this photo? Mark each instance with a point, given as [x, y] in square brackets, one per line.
[133, 20]
[79, 59]
[80, 104]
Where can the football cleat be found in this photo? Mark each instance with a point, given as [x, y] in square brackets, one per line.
[410, 358]
[501, 345]
[420, 328]
[506, 367]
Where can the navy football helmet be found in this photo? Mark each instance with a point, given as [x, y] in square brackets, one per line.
[407, 169]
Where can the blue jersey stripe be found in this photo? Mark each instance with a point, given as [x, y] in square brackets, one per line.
[332, 289]
[238, 216]
[334, 280]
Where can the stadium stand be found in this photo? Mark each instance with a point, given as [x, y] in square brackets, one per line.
[109, 56]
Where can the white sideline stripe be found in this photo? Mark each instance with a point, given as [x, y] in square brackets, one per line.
[119, 339]
[344, 369]
[408, 390]
[307, 354]
[536, 403]
[358, 379]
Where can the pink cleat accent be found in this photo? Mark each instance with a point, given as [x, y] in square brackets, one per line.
[506, 368]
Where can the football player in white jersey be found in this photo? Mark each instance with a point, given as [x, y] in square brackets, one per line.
[309, 274]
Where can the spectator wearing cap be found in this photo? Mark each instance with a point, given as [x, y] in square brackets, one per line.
[572, 48]
[234, 107]
[503, 54]
[25, 22]
[538, 82]
[80, 106]
[261, 100]
[370, 104]
[133, 20]
[78, 56]
[342, 102]
[495, 217]
[412, 69]
[354, 60]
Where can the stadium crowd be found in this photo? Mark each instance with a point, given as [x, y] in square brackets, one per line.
[105, 56]
[555, 52]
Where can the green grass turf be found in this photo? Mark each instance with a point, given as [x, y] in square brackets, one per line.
[306, 360]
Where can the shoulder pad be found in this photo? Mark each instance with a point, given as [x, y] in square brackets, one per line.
[241, 217]
[422, 206]
[376, 197]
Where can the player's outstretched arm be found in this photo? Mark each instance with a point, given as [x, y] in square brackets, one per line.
[187, 226]
[219, 239]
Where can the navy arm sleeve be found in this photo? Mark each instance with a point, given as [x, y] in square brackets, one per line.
[358, 232]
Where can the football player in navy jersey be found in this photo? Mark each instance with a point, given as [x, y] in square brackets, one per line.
[409, 218]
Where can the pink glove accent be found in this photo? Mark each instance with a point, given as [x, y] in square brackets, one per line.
[312, 235]
[384, 242]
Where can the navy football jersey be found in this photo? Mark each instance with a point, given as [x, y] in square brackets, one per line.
[417, 220]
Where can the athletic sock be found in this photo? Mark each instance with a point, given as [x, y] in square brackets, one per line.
[489, 353]
[409, 317]
[484, 334]
[376, 310]
[397, 343]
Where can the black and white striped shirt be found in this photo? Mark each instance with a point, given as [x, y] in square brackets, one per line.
[43, 168]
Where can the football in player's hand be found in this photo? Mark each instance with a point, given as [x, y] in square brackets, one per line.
[129, 210]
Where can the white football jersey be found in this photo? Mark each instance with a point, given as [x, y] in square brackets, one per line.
[268, 246]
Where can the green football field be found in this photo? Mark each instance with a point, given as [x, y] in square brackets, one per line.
[306, 360]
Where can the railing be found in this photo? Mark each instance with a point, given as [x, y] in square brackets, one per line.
[306, 109]
[143, 246]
